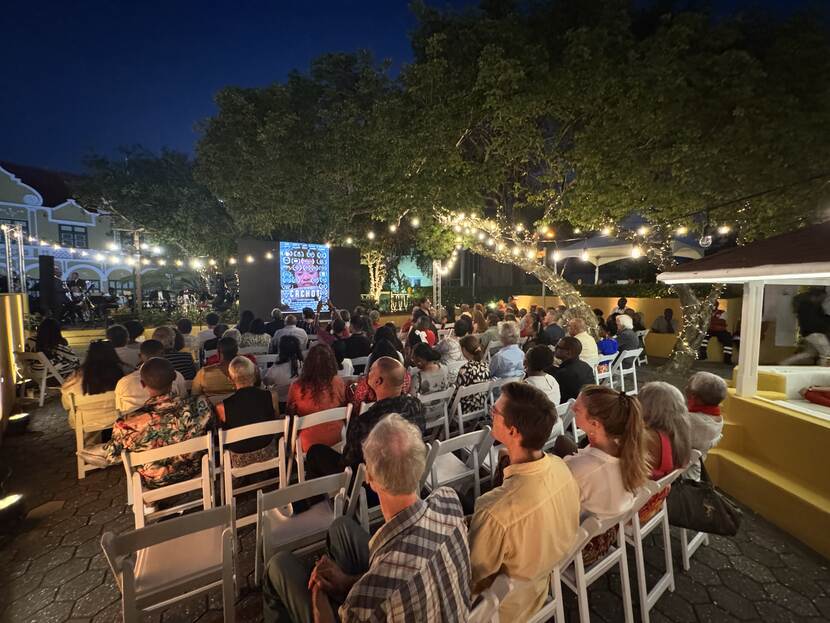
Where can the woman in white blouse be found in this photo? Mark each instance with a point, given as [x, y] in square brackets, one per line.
[537, 360]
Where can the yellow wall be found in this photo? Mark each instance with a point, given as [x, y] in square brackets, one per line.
[12, 338]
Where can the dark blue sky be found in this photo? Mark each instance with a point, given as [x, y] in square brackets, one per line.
[95, 74]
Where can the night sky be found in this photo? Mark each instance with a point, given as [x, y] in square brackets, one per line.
[94, 74]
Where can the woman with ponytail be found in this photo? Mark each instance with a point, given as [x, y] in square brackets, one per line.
[431, 376]
[614, 464]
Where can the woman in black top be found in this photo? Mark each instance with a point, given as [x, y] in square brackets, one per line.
[248, 405]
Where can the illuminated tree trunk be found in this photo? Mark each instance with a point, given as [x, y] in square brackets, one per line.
[694, 322]
[376, 262]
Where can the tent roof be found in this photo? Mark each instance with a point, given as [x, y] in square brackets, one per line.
[604, 250]
[802, 256]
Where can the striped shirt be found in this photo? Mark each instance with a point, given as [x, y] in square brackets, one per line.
[419, 567]
[182, 362]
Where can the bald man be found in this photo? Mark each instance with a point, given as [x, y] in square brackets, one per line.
[386, 379]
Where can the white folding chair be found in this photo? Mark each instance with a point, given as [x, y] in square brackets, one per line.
[233, 435]
[493, 347]
[456, 409]
[361, 363]
[691, 540]
[444, 468]
[626, 365]
[300, 423]
[643, 358]
[494, 391]
[437, 405]
[142, 497]
[90, 414]
[173, 560]
[365, 406]
[486, 607]
[38, 374]
[566, 412]
[635, 533]
[253, 350]
[264, 362]
[444, 333]
[279, 529]
[577, 578]
[210, 353]
[562, 412]
[602, 369]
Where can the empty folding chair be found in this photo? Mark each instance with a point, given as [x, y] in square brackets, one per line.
[276, 464]
[457, 409]
[445, 468]
[602, 369]
[143, 498]
[436, 405]
[643, 358]
[626, 365]
[37, 368]
[578, 578]
[300, 423]
[90, 414]
[360, 364]
[173, 560]
[279, 529]
[486, 606]
[635, 533]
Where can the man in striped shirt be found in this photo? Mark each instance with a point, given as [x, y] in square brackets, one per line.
[415, 568]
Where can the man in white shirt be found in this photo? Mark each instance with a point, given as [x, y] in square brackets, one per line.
[576, 328]
[290, 328]
[130, 393]
[203, 336]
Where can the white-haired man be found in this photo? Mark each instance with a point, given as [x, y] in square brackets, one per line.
[626, 338]
[363, 576]
[577, 329]
[509, 361]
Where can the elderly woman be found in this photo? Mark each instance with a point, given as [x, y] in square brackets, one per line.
[248, 405]
[668, 443]
[704, 394]
[509, 361]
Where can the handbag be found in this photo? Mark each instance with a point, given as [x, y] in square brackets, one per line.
[699, 506]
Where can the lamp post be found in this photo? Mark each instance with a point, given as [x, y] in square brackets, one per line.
[7, 247]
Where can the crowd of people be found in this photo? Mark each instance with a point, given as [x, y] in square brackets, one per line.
[522, 526]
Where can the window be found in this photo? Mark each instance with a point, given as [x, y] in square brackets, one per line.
[73, 236]
[125, 240]
[121, 285]
[15, 222]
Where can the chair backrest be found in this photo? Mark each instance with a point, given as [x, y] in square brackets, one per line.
[210, 353]
[360, 362]
[253, 350]
[93, 412]
[217, 398]
[496, 385]
[626, 357]
[436, 405]
[301, 422]
[240, 433]
[477, 442]
[265, 361]
[25, 362]
[565, 412]
[487, 607]
[189, 446]
[469, 390]
[365, 406]
[694, 459]
[333, 486]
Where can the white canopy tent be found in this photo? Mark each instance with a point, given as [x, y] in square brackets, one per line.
[604, 250]
[797, 258]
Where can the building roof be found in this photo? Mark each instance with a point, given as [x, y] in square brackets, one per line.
[798, 256]
[53, 186]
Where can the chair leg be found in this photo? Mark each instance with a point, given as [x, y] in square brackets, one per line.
[42, 391]
[581, 589]
[639, 560]
[559, 607]
[667, 547]
[684, 549]
[625, 580]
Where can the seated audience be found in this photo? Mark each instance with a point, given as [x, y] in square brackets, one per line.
[99, 373]
[290, 329]
[667, 436]
[626, 338]
[472, 372]
[163, 420]
[577, 329]
[614, 464]
[276, 323]
[118, 336]
[431, 375]
[181, 362]
[136, 332]
[415, 568]
[361, 392]
[218, 331]
[50, 341]
[318, 388]
[245, 320]
[572, 374]
[508, 362]
[236, 337]
[212, 319]
[665, 323]
[214, 379]
[704, 394]
[525, 526]
[249, 404]
[492, 332]
[356, 344]
[537, 360]
[308, 321]
[287, 367]
[720, 329]
[387, 333]
[552, 328]
[255, 336]
[421, 331]
[479, 322]
[449, 348]
[130, 393]
[611, 324]
[386, 381]
[383, 348]
[607, 345]
[185, 327]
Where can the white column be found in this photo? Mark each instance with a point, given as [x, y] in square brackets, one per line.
[596, 271]
[753, 303]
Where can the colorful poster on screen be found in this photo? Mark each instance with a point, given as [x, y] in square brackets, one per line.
[304, 274]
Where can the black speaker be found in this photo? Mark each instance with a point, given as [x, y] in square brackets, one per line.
[49, 300]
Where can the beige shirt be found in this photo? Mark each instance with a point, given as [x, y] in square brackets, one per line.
[589, 347]
[524, 528]
[601, 489]
[212, 381]
[130, 395]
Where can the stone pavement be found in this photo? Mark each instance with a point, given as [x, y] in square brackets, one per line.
[53, 570]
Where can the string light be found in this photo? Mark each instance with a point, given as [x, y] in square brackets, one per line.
[249, 259]
[577, 230]
[112, 246]
[606, 231]
[724, 229]
[99, 257]
[370, 235]
[516, 251]
[156, 250]
[415, 221]
[232, 261]
[162, 262]
[636, 251]
[682, 230]
[480, 235]
[531, 254]
[144, 246]
[520, 227]
[490, 242]
[179, 263]
[393, 228]
[268, 256]
[328, 245]
[456, 228]
[642, 230]
[557, 255]
[584, 255]
[349, 240]
[212, 262]
[145, 261]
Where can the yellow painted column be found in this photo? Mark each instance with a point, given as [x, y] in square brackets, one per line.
[12, 338]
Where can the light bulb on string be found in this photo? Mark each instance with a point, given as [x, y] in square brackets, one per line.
[724, 229]
[249, 259]
[480, 235]
[456, 228]
[490, 242]
[500, 247]
[393, 228]
[179, 263]
[145, 261]
[328, 245]
[72, 251]
[156, 250]
[370, 235]
[232, 261]
[415, 221]
[349, 240]
[112, 246]
[531, 254]
[144, 246]
[642, 230]
[516, 251]
[606, 231]
[212, 262]
[682, 230]
[269, 256]
[162, 262]
[99, 257]
[84, 254]
[636, 251]
[557, 255]
[577, 230]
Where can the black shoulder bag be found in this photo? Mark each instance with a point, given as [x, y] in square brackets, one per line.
[698, 506]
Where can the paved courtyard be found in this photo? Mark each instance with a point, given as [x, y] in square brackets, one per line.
[53, 570]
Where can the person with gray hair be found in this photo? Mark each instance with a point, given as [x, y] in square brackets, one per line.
[361, 577]
[182, 361]
[626, 338]
[249, 404]
[291, 329]
[509, 361]
[276, 323]
[704, 394]
[667, 432]
[578, 329]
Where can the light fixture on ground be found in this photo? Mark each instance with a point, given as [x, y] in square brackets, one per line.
[18, 423]
[12, 509]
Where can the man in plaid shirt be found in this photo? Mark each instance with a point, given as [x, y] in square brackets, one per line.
[415, 568]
